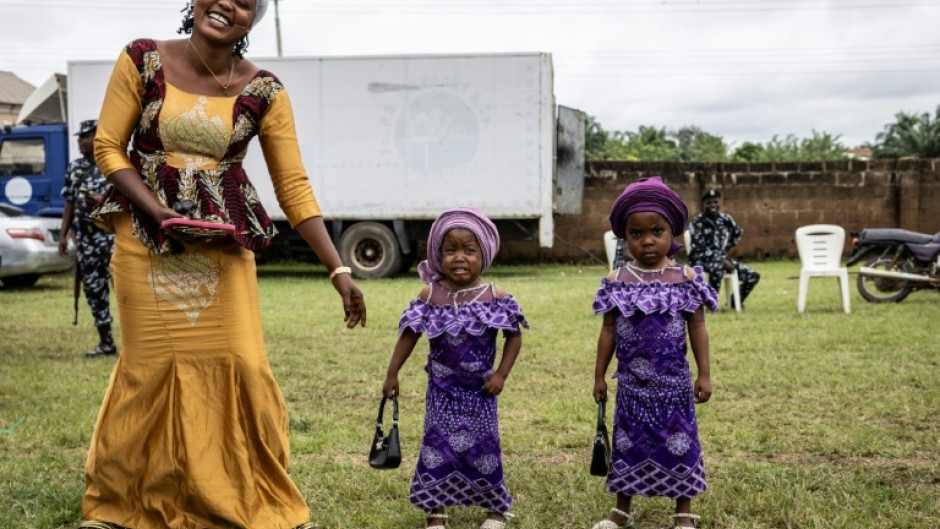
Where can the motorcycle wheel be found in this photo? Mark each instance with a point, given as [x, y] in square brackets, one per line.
[883, 289]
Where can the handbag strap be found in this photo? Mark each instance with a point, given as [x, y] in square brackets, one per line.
[601, 412]
[379, 420]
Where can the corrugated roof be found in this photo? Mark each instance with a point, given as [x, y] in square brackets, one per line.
[14, 90]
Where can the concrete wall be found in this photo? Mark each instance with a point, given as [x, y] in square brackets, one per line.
[769, 200]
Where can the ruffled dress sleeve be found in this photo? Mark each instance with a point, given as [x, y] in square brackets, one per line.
[473, 318]
[656, 296]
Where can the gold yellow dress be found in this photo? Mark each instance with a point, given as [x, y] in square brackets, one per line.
[193, 430]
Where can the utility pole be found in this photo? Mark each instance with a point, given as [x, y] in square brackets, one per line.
[277, 27]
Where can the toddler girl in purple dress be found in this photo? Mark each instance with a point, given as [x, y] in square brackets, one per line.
[460, 461]
[648, 304]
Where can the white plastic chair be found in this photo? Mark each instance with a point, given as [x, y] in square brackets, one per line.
[820, 248]
[732, 285]
[610, 246]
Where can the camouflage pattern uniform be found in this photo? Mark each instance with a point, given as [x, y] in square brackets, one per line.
[93, 246]
[712, 238]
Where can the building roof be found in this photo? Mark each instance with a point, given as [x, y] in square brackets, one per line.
[13, 90]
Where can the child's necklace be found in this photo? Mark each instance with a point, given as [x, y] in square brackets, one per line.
[648, 270]
[454, 294]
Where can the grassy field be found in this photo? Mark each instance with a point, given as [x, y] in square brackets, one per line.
[819, 420]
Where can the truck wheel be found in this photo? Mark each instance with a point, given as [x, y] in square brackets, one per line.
[371, 250]
[882, 289]
[23, 281]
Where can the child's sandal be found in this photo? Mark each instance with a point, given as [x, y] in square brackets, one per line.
[435, 516]
[694, 517]
[609, 524]
[490, 523]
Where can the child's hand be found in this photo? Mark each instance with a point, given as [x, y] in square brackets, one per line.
[703, 390]
[494, 384]
[390, 387]
[600, 390]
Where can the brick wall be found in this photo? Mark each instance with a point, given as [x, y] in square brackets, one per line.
[769, 200]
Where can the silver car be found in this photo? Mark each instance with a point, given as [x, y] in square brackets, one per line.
[29, 247]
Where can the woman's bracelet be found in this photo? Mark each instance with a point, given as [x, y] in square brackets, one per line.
[340, 270]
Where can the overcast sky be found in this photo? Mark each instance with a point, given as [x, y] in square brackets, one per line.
[742, 69]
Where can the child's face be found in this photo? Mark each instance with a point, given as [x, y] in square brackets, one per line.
[649, 238]
[461, 258]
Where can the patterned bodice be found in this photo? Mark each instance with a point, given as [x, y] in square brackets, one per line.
[462, 335]
[193, 155]
[652, 308]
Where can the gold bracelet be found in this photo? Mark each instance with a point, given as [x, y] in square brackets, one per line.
[340, 270]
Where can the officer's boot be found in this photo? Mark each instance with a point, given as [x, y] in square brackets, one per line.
[106, 344]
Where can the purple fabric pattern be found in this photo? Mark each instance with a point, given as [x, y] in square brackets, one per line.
[461, 461]
[655, 444]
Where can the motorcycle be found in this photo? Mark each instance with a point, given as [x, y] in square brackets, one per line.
[898, 262]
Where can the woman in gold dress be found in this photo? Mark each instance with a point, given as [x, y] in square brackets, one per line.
[192, 432]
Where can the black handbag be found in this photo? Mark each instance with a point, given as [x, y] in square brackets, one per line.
[385, 451]
[600, 456]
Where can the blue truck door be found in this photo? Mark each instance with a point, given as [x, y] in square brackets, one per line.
[33, 161]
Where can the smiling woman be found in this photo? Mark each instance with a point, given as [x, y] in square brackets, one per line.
[192, 431]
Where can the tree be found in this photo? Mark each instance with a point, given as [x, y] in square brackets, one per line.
[914, 135]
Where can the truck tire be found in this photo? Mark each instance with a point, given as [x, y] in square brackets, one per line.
[371, 250]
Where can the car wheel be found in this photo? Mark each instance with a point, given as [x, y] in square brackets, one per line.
[371, 250]
[23, 281]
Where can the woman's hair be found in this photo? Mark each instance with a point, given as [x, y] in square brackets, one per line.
[187, 27]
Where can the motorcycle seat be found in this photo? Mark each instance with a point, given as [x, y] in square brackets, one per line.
[894, 235]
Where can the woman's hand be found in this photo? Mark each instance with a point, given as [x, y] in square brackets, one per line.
[354, 304]
[600, 390]
[390, 387]
[494, 384]
[702, 389]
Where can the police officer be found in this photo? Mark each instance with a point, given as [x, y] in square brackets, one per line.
[84, 186]
[713, 235]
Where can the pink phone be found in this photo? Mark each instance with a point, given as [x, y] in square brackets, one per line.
[198, 228]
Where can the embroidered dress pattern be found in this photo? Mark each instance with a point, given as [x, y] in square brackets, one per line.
[461, 459]
[656, 448]
[187, 281]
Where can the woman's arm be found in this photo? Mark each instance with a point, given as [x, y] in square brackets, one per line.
[119, 115]
[605, 352]
[698, 338]
[313, 230]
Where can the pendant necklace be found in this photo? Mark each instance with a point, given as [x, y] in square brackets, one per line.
[203, 61]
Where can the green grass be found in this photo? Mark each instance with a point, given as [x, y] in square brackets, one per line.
[819, 420]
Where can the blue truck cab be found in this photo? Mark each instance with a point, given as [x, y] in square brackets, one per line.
[33, 161]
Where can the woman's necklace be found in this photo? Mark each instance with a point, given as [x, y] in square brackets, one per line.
[230, 73]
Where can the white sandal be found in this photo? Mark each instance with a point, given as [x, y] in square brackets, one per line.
[694, 517]
[435, 516]
[490, 523]
[609, 524]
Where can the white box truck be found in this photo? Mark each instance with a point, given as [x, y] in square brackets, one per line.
[390, 142]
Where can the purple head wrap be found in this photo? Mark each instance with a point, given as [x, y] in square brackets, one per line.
[469, 219]
[650, 194]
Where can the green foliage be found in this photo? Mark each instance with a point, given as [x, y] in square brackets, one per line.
[819, 420]
[912, 135]
[692, 144]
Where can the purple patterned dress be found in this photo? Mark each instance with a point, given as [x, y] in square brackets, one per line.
[656, 450]
[460, 461]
